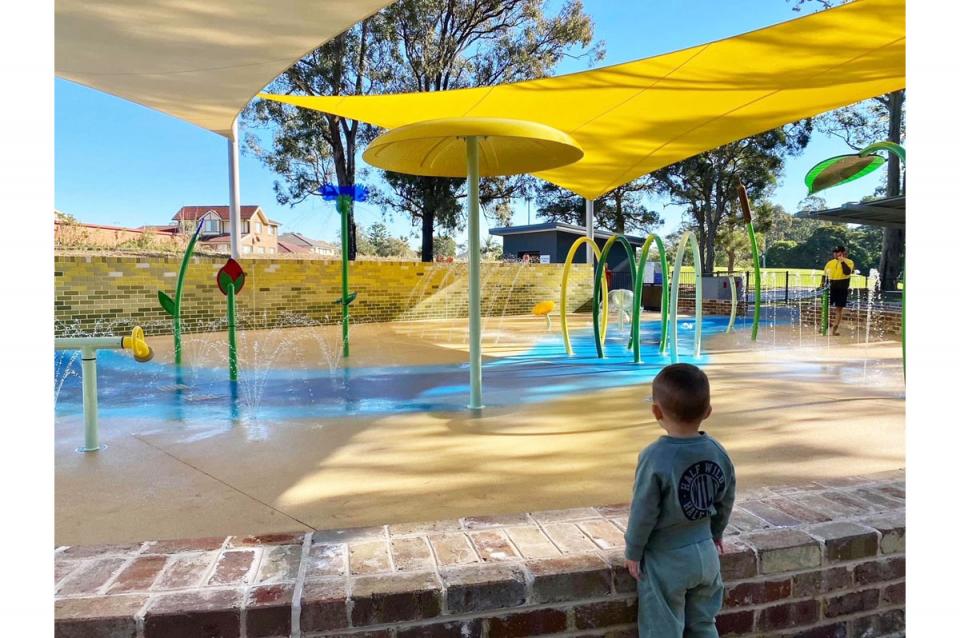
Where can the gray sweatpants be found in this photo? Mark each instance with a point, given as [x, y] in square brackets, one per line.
[680, 592]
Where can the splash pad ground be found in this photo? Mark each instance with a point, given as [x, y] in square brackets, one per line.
[310, 444]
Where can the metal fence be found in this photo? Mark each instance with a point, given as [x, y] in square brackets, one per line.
[777, 285]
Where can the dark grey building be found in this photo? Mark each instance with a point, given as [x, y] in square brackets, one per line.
[550, 242]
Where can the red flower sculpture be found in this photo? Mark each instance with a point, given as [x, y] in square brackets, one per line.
[230, 273]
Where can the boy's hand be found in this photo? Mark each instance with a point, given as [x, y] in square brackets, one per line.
[634, 568]
[719, 543]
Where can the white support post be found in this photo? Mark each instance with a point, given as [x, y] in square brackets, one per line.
[589, 230]
[233, 159]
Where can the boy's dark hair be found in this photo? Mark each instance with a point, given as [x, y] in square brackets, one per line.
[683, 392]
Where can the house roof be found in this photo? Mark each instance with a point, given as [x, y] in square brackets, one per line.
[559, 227]
[193, 213]
[287, 247]
[216, 239]
[891, 212]
[101, 226]
[304, 241]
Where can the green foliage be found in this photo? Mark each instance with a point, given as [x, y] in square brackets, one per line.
[492, 249]
[444, 246]
[862, 244]
[706, 185]
[65, 218]
[776, 224]
[376, 241]
[620, 211]
[733, 241]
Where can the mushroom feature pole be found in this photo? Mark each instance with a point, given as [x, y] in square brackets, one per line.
[589, 224]
[473, 246]
[472, 147]
[233, 166]
[233, 153]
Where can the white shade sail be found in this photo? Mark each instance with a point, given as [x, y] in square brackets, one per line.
[198, 60]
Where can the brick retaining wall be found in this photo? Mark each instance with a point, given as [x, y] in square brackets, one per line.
[94, 294]
[823, 559]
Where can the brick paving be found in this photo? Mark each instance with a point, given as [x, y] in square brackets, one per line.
[825, 558]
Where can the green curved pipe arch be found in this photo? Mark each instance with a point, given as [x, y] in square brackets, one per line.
[675, 295]
[664, 290]
[598, 283]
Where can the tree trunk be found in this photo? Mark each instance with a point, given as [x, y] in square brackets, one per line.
[426, 240]
[708, 245]
[619, 221]
[892, 253]
[710, 253]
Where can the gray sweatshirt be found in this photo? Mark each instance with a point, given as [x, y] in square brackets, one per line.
[683, 494]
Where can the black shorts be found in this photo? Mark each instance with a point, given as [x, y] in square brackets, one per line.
[839, 288]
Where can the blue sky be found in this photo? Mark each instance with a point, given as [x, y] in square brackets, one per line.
[122, 164]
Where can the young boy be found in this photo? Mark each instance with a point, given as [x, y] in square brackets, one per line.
[682, 498]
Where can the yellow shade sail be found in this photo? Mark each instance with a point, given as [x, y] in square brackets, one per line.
[198, 60]
[633, 118]
[438, 148]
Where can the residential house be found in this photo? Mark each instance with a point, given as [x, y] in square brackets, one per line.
[297, 243]
[258, 234]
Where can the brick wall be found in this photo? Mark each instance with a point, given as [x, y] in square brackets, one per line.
[886, 322]
[826, 559]
[112, 293]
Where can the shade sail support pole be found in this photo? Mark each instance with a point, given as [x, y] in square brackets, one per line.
[473, 241]
[589, 223]
[233, 164]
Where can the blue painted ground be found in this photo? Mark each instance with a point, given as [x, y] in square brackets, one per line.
[153, 390]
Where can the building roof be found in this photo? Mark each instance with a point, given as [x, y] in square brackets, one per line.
[297, 239]
[193, 213]
[286, 247]
[216, 239]
[891, 212]
[101, 226]
[559, 227]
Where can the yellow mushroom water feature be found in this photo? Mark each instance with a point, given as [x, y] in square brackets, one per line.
[543, 309]
[472, 147]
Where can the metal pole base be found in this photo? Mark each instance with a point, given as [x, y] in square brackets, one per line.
[83, 450]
